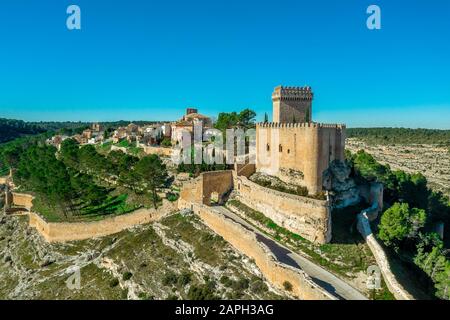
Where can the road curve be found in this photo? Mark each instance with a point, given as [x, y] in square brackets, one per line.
[332, 284]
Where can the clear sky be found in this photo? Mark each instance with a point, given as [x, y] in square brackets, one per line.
[149, 60]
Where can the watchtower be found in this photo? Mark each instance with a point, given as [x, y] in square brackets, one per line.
[292, 104]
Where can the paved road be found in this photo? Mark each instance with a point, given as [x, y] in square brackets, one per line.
[334, 285]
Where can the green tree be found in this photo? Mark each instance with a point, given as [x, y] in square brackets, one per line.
[400, 222]
[246, 119]
[69, 152]
[166, 143]
[152, 174]
[431, 259]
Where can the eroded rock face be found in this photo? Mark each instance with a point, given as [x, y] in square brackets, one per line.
[337, 180]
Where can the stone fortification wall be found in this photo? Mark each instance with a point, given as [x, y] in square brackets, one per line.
[200, 189]
[70, 231]
[375, 195]
[245, 241]
[310, 218]
[22, 200]
[166, 152]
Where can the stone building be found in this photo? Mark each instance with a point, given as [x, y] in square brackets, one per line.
[187, 124]
[292, 147]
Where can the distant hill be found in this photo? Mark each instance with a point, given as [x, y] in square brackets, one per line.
[11, 129]
[400, 136]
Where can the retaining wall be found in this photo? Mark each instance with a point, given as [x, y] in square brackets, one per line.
[310, 218]
[70, 231]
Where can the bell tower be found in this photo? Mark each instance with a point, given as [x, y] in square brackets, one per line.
[292, 104]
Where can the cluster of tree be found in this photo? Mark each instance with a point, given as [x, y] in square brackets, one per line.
[12, 129]
[400, 136]
[243, 120]
[68, 181]
[38, 170]
[143, 175]
[408, 225]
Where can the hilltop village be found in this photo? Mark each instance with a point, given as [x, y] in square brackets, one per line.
[291, 206]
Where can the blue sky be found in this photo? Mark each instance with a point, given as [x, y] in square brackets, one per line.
[150, 60]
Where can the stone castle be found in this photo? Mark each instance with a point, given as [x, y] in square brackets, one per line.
[292, 147]
[295, 150]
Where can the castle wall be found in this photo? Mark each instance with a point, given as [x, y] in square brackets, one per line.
[220, 182]
[22, 200]
[71, 231]
[305, 148]
[166, 152]
[309, 218]
[199, 190]
[245, 241]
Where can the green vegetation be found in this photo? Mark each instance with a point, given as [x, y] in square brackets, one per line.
[79, 182]
[283, 187]
[408, 224]
[151, 173]
[400, 222]
[394, 136]
[12, 129]
[287, 286]
[126, 276]
[400, 186]
[166, 143]
[244, 120]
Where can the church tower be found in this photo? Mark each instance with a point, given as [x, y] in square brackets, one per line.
[292, 104]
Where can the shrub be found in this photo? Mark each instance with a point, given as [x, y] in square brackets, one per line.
[202, 292]
[287, 286]
[172, 197]
[226, 281]
[114, 283]
[259, 286]
[127, 276]
[241, 284]
[184, 278]
[170, 278]
[166, 143]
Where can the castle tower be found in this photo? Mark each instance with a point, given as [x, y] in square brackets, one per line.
[292, 104]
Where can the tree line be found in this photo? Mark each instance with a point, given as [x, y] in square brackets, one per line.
[400, 136]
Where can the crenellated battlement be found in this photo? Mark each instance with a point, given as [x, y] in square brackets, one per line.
[300, 125]
[292, 93]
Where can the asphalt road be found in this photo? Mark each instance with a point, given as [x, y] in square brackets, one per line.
[334, 285]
